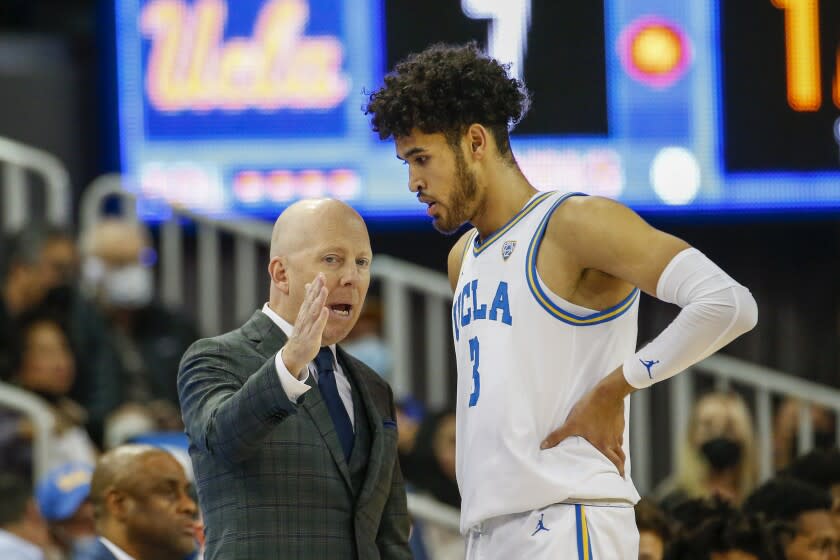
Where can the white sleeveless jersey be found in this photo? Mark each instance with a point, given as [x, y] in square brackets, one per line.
[525, 357]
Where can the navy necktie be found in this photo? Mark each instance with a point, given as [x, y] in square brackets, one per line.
[329, 392]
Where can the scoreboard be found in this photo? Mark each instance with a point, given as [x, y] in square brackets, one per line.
[240, 107]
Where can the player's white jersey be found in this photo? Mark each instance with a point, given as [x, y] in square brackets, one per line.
[525, 357]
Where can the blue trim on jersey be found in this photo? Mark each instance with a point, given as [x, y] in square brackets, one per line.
[543, 298]
[479, 245]
[578, 532]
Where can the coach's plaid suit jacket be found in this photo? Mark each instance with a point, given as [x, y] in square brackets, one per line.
[271, 476]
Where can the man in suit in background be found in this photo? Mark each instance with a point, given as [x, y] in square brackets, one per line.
[142, 506]
[293, 441]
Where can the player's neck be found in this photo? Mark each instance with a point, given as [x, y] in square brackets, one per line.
[506, 192]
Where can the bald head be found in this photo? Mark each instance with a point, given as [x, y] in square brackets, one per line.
[119, 468]
[305, 220]
[142, 503]
[324, 237]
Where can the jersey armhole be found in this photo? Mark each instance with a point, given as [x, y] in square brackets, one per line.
[546, 302]
[468, 238]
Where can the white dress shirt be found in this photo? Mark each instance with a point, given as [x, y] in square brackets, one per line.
[12, 546]
[119, 553]
[295, 387]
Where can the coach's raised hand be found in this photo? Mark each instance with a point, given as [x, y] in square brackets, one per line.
[598, 417]
[305, 341]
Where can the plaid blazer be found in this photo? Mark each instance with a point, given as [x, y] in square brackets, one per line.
[271, 476]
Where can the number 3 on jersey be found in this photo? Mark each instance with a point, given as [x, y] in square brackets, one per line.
[476, 377]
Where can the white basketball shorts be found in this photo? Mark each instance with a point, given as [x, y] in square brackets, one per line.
[557, 532]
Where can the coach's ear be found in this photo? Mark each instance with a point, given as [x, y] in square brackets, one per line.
[278, 272]
[476, 139]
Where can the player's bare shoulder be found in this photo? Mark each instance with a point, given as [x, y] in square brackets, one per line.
[579, 218]
[597, 233]
[456, 256]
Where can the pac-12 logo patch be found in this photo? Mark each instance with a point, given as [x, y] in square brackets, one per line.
[507, 249]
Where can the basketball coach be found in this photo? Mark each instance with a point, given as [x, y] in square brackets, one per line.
[293, 441]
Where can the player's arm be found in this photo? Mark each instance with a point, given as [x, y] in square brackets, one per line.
[456, 256]
[604, 235]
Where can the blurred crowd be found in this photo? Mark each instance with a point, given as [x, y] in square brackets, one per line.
[714, 508]
[82, 334]
[793, 516]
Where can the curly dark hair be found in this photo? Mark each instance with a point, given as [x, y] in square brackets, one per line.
[649, 517]
[820, 467]
[785, 499]
[446, 88]
[709, 526]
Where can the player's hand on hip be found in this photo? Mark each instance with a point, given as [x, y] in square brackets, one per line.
[598, 417]
[303, 345]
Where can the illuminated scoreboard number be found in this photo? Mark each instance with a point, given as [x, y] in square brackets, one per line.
[802, 54]
[780, 63]
[559, 50]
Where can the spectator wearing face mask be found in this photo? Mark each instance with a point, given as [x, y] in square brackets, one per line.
[63, 497]
[719, 455]
[118, 274]
[41, 271]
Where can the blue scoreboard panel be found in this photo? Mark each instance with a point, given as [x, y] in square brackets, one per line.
[239, 107]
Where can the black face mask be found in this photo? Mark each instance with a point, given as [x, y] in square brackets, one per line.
[721, 452]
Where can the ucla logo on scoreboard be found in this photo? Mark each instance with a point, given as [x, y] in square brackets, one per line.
[219, 68]
[507, 249]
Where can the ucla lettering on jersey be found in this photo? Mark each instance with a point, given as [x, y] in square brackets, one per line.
[468, 307]
[525, 356]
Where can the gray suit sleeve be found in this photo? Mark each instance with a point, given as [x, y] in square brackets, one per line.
[224, 416]
[392, 539]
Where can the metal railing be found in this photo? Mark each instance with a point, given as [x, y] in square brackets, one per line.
[428, 509]
[760, 384]
[401, 284]
[17, 160]
[42, 419]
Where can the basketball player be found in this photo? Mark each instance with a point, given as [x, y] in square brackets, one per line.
[544, 318]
